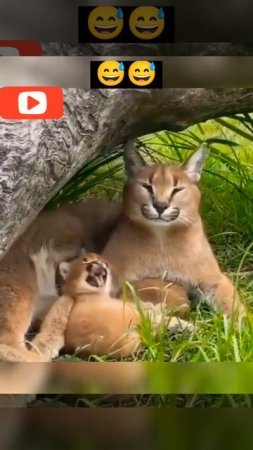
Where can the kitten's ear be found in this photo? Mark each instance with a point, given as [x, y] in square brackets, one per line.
[64, 269]
[193, 167]
[133, 160]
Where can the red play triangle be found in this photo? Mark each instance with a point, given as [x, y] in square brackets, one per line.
[31, 102]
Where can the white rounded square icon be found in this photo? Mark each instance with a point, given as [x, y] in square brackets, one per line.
[32, 102]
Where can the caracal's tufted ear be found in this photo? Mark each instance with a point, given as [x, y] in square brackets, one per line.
[133, 160]
[193, 167]
[64, 268]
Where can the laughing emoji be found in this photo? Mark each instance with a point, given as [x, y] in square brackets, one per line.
[105, 22]
[147, 22]
[141, 73]
[111, 73]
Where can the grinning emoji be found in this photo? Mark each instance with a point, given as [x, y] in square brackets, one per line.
[105, 22]
[147, 22]
[111, 73]
[141, 73]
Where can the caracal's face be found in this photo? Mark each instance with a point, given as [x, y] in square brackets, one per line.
[89, 274]
[162, 195]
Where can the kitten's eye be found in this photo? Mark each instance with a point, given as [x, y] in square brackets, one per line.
[148, 187]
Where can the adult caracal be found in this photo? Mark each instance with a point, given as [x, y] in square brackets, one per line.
[27, 271]
[161, 232]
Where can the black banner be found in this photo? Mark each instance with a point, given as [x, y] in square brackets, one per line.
[134, 74]
[126, 24]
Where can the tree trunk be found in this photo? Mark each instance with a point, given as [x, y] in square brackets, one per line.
[38, 157]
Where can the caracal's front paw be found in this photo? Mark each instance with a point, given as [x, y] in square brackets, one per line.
[176, 325]
[158, 316]
[45, 349]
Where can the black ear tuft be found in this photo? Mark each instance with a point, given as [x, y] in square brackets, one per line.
[132, 159]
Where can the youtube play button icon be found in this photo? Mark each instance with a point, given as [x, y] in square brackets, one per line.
[34, 102]
[31, 102]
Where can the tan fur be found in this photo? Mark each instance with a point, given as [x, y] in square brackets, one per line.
[27, 272]
[101, 324]
[141, 246]
[155, 290]
[98, 323]
[173, 245]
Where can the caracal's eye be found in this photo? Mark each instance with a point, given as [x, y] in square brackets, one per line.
[176, 190]
[148, 187]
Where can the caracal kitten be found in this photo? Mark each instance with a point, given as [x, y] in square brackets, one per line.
[97, 324]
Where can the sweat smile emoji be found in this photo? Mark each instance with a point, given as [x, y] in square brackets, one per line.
[141, 73]
[147, 22]
[105, 22]
[110, 73]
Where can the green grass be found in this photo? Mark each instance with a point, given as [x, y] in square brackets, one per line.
[227, 212]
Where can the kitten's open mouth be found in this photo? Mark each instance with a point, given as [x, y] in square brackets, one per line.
[97, 274]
